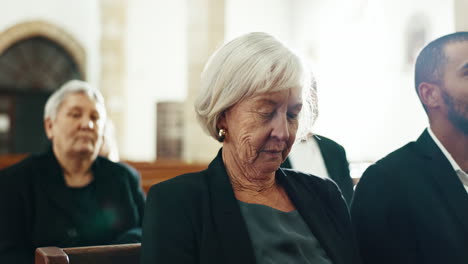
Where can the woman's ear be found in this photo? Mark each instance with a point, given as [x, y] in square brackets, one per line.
[222, 123]
[429, 94]
[48, 128]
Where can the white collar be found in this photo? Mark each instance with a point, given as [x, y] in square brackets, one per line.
[454, 164]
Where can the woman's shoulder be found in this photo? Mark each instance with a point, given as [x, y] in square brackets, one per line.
[320, 184]
[324, 188]
[114, 168]
[297, 175]
[21, 176]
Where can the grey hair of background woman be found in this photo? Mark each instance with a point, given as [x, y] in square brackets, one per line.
[71, 87]
[248, 65]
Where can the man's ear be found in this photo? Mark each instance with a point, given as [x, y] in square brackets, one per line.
[430, 94]
[48, 128]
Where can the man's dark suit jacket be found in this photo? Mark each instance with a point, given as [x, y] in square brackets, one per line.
[411, 207]
[195, 218]
[334, 156]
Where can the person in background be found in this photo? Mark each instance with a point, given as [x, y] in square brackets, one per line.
[244, 208]
[323, 157]
[412, 205]
[68, 196]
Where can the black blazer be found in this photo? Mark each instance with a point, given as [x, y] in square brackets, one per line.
[37, 208]
[411, 207]
[195, 218]
[334, 156]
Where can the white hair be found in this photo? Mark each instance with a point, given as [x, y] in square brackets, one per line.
[71, 87]
[251, 64]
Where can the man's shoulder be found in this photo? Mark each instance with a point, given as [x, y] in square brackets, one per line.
[400, 166]
[404, 156]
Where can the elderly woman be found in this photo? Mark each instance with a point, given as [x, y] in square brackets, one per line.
[243, 208]
[68, 196]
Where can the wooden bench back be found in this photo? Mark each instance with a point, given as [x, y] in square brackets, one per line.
[110, 254]
[156, 172]
[7, 160]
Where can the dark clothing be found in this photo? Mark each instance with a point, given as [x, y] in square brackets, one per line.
[411, 207]
[38, 209]
[334, 156]
[195, 218]
[281, 237]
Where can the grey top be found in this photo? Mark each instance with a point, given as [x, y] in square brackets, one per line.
[281, 237]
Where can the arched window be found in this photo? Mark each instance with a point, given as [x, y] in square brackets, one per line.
[30, 70]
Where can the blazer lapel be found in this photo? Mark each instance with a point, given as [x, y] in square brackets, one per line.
[328, 157]
[445, 178]
[228, 220]
[311, 209]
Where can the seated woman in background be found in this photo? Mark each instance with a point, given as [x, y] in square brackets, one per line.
[244, 208]
[68, 196]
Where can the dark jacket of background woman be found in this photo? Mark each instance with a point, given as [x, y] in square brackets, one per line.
[38, 209]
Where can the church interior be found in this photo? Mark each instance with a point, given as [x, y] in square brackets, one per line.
[146, 57]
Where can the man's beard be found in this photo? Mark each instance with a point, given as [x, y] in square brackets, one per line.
[457, 112]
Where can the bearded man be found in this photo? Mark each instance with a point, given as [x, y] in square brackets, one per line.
[412, 205]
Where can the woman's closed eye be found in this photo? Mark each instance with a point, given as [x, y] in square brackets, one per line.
[293, 112]
[74, 114]
[265, 114]
[292, 116]
[268, 115]
[95, 117]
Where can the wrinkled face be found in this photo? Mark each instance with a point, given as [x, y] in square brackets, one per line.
[455, 85]
[78, 126]
[262, 129]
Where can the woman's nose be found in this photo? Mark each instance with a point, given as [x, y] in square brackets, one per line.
[281, 127]
[87, 123]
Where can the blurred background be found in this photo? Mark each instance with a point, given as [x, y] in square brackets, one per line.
[146, 57]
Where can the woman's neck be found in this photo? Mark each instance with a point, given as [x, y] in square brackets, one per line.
[245, 177]
[250, 186]
[76, 169]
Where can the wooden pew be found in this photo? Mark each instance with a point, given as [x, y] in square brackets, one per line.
[156, 172]
[7, 160]
[115, 254]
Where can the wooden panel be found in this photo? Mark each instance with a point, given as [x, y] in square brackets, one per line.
[50, 255]
[156, 172]
[10, 159]
[115, 254]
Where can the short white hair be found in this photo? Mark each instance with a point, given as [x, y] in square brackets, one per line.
[71, 87]
[251, 64]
